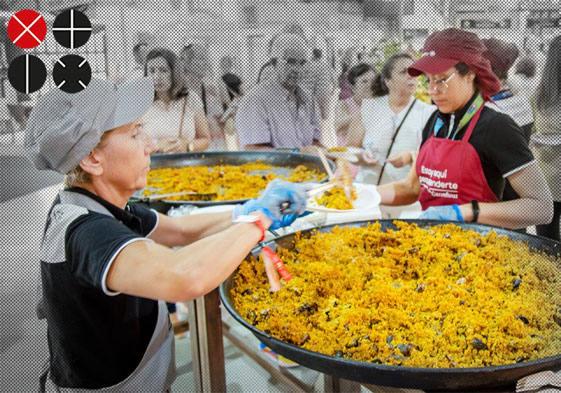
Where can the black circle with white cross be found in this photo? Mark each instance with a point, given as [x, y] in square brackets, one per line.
[72, 29]
[27, 73]
[72, 73]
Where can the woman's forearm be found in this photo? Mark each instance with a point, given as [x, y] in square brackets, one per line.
[517, 214]
[209, 261]
[534, 207]
[151, 270]
[402, 192]
[397, 194]
[180, 231]
[196, 227]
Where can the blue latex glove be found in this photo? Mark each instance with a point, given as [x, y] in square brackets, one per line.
[272, 199]
[285, 221]
[443, 213]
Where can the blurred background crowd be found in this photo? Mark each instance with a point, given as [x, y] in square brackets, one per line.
[287, 74]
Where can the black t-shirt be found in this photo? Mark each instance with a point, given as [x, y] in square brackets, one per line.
[96, 337]
[498, 140]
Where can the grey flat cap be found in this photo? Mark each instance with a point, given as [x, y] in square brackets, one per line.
[64, 128]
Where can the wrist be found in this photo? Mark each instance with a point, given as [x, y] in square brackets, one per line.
[265, 221]
[475, 211]
[257, 220]
[467, 212]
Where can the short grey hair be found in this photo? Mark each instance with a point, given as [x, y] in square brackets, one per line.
[285, 41]
[76, 177]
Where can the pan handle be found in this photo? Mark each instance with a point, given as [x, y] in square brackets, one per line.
[274, 233]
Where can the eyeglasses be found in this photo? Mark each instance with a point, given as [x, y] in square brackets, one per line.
[440, 85]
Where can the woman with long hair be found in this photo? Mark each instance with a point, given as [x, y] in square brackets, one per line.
[176, 120]
[546, 142]
[393, 120]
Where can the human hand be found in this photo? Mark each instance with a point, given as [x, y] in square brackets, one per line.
[284, 198]
[443, 213]
[282, 202]
[345, 168]
[369, 158]
[400, 160]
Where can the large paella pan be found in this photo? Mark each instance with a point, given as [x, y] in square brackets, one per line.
[435, 377]
[234, 177]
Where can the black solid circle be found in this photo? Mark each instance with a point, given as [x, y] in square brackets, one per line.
[27, 73]
[72, 73]
[72, 29]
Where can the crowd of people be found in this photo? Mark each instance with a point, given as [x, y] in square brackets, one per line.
[385, 110]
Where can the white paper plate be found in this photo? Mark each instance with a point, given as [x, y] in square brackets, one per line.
[367, 198]
[352, 154]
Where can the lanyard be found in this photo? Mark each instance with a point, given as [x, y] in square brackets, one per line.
[466, 118]
[502, 95]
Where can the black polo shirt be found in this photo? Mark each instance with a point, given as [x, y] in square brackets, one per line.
[96, 337]
[499, 142]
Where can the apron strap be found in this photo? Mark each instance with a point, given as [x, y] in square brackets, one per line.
[472, 125]
[43, 377]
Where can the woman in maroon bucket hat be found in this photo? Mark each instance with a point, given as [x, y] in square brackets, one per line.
[469, 150]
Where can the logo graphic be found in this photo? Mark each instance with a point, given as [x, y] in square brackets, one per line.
[27, 73]
[27, 29]
[72, 29]
[72, 73]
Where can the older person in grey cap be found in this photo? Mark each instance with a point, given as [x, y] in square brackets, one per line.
[279, 113]
[107, 267]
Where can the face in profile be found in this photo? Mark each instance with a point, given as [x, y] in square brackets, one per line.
[400, 81]
[124, 156]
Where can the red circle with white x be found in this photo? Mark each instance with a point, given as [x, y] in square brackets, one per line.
[27, 29]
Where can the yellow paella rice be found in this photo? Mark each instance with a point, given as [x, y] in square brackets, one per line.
[337, 149]
[436, 297]
[228, 182]
[336, 198]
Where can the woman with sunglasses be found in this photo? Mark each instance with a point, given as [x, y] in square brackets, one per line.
[469, 150]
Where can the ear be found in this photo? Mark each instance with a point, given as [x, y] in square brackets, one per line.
[91, 163]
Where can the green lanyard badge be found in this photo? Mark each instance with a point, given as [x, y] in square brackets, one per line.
[466, 118]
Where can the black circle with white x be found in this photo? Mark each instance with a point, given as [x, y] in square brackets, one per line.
[72, 73]
[72, 29]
